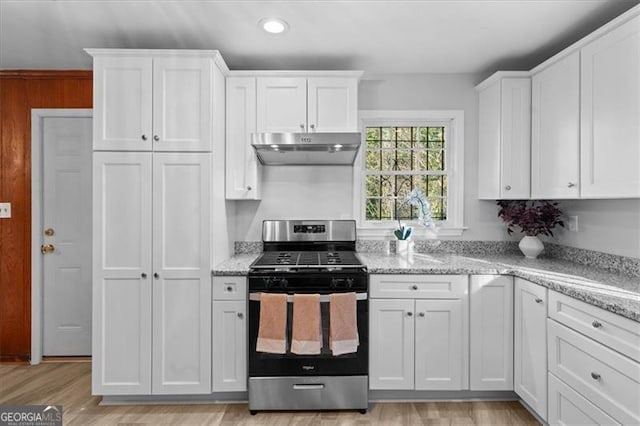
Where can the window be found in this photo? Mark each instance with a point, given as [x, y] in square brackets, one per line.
[402, 151]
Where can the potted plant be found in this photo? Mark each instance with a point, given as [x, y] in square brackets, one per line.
[403, 232]
[535, 217]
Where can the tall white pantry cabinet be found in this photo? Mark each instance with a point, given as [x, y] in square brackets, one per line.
[152, 236]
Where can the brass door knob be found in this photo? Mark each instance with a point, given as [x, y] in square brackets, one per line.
[49, 232]
[48, 248]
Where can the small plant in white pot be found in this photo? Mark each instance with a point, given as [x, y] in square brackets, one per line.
[403, 233]
[534, 217]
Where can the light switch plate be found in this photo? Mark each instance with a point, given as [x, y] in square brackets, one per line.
[5, 210]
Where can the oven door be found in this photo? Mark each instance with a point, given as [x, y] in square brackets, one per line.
[324, 364]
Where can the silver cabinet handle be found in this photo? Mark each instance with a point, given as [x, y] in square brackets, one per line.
[144, 137]
[595, 376]
[313, 127]
[229, 288]
[248, 188]
[571, 185]
[596, 324]
[538, 300]
[421, 314]
[240, 315]
[414, 287]
[302, 127]
[156, 275]
[156, 138]
[409, 314]
[143, 275]
[508, 187]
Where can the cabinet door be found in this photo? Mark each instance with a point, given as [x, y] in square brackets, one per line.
[568, 407]
[491, 332]
[489, 108]
[229, 349]
[121, 274]
[182, 104]
[243, 171]
[610, 106]
[391, 344]
[515, 129]
[440, 345]
[281, 104]
[332, 104]
[181, 266]
[530, 345]
[122, 104]
[555, 133]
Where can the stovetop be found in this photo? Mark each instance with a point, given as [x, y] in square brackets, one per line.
[307, 259]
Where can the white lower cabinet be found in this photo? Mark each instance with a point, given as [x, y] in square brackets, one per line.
[229, 346]
[491, 332]
[418, 343]
[151, 285]
[530, 345]
[568, 407]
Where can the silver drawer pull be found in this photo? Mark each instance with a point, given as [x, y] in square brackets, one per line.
[308, 387]
[538, 300]
[229, 288]
[414, 287]
[596, 324]
[409, 314]
[595, 376]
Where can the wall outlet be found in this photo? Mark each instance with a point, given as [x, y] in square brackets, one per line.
[573, 223]
[5, 210]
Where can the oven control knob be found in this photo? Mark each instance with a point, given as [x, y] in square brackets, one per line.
[349, 282]
[334, 283]
[283, 283]
[267, 282]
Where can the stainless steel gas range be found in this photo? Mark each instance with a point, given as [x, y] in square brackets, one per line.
[308, 261]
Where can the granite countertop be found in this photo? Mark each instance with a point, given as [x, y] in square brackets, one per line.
[614, 292]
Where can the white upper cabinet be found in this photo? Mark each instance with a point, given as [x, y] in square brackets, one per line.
[332, 104]
[243, 171]
[282, 104]
[153, 100]
[504, 137]
[555, 134]
[610, 108]
[122, 103]
[308, 104]
[182, 104]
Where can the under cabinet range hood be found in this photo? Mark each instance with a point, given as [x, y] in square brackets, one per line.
[329, 149]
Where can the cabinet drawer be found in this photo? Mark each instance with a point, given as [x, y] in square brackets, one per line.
[609, 380]
[614, 331]
[229, 288]
[418, 286]
[568, 407]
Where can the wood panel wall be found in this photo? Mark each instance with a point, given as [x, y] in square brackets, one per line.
[20, 91]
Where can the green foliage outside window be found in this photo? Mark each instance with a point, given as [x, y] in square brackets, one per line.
[399, 159]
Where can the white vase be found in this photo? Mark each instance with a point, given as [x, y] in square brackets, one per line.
[403, 247]
[531, 247]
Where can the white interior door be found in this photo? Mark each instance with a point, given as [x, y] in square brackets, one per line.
[67, 233]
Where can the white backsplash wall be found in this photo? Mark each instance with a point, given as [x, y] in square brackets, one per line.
[297, 192]
[610, 226]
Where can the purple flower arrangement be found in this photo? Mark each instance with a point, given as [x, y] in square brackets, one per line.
[533, 217]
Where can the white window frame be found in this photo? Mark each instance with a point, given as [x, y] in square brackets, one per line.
[454, 165]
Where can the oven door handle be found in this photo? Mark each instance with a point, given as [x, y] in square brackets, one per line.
[323, 297]
[303, 386]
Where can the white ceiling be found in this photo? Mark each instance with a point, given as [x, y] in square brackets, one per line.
[377, 36]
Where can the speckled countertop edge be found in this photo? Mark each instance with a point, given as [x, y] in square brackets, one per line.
[617, 293]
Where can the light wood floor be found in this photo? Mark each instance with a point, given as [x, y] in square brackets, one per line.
[69, 384]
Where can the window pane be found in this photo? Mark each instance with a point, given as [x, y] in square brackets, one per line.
[373, 186]
[388, 134]
[435, 160]
[373, 133]
[373, 161]
[388, 187]
[403, 159]
[386, 208]
[388, 160]
[373, 209]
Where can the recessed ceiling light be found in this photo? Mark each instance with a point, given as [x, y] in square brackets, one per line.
[273, 25]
